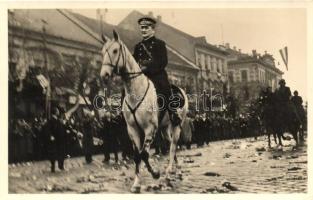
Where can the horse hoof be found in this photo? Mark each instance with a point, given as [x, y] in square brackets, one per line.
[170, 172]
[135, 189]
[156, 175]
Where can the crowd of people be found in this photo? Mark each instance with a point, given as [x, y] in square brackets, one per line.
[86, 134]
[57, 138]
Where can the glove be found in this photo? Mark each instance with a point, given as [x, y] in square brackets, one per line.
[144, 68]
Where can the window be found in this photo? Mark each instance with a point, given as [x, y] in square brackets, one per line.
[213, 64]
[231, 77]
[202, 60]
[262, 76]
[198, 60]
[222, 64]
[244, 75]
[68, 59]
[218, 66]
[208, 61]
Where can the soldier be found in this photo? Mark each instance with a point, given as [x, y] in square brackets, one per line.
[283, 92]
[243, 126]
[297, 102]
[151, 55]
[207, 128]
[55, 140]
[283, 95]
[196, 125]
[87, 129]
[106, 132]
[125, 142]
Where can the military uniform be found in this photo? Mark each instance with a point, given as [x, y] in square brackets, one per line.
[55, 142]
[297, 102]
[284, 106]
[283, 94]
[151, 55]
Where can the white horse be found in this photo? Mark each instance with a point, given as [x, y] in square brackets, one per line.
[139, 107]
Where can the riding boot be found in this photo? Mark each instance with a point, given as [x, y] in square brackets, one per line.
[175, 119]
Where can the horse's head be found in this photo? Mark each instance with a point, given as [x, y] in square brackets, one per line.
[113, 53]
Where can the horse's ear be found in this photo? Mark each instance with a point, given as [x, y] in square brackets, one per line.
[103, 38]
[115, 35]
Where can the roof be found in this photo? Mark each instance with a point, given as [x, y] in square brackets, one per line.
[177, 39]
[55, 23]
[130, 38]
[253, 60]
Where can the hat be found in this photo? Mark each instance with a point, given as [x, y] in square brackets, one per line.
[146, 20]
[282, 81]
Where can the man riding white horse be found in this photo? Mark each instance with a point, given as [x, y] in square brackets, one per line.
[151, 55]
[142, 119]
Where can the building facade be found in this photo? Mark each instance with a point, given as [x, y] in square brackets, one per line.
[44, 51]
[249, 74]
[212, 62]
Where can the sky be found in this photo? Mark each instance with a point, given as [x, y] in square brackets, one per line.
[268, 29]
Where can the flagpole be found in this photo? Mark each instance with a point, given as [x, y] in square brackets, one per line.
[48, 92]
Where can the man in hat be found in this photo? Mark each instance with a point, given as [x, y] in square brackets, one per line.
[55, 135]
[284, 108]
[151, 55]
[297, 102]
[283, 92]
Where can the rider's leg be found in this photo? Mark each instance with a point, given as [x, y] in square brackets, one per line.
[163, 88]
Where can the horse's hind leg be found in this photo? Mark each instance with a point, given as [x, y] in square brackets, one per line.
[275, 137]
[174, 140]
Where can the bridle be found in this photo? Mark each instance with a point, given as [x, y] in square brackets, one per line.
[116, 69]
[129, 75]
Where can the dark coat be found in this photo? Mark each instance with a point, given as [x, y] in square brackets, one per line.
[151, 55]
[297, 102]
[283, 94]
[55, 137]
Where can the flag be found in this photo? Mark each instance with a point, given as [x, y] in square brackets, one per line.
[284, 55]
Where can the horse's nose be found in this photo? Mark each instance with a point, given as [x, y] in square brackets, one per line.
[104, 74]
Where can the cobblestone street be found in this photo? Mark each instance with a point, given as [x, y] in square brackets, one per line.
[233, 166]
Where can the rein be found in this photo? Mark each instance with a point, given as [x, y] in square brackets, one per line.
[129, 76]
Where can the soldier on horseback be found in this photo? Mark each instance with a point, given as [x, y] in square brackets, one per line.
[283, 95]
[297, 102]
[151, 55]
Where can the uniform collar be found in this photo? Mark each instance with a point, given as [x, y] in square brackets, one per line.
[149, 39]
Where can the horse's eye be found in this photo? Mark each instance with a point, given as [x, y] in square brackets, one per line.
[115, 51]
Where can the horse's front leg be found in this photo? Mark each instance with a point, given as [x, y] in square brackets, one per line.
[137, 183]
[137, 158]
[174, 140]
[145, 157]
[269, 139]
[150, 134]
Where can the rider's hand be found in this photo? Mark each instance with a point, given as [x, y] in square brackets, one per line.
[143, 68]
